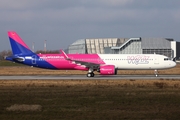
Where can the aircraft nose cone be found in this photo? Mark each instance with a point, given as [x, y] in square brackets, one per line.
[173, 64]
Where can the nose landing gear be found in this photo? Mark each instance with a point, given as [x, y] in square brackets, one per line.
[156, 73]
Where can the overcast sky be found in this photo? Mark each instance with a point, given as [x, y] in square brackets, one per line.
[61, 22]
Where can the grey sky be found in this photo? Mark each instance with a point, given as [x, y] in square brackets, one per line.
[61, 22]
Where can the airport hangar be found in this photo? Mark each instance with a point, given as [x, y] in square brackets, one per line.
[163, 46]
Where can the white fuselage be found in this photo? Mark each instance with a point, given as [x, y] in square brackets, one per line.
[138, 61]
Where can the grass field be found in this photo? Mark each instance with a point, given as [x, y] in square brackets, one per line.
[8, 63]
[87, 99]
[26, 70]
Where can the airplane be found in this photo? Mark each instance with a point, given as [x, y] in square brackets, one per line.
[105, 64]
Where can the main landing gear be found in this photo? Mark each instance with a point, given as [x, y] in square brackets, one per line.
[90, 73]
[156, 73]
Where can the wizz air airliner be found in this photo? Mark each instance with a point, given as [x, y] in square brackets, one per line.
[105, 64]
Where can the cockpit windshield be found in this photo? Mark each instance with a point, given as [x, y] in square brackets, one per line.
[166, 59]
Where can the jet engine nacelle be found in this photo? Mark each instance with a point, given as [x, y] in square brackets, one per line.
[108, 70]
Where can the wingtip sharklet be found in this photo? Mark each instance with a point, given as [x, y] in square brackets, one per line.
[65, 55]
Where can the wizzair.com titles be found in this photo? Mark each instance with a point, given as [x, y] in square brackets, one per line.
[45, 57]
[51, 57]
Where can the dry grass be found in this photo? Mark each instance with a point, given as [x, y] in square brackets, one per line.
[24, 107]
[20, 70]
[35, 71]
[84, 83]
[89, 99]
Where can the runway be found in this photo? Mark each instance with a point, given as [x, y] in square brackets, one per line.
[97, 77]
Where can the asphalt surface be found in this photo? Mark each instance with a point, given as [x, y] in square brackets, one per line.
[99, 77]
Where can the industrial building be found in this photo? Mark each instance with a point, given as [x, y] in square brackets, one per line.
[163, 46]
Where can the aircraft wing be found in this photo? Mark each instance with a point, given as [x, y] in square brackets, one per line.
[85, 63]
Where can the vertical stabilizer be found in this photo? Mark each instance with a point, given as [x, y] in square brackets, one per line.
[17, 44]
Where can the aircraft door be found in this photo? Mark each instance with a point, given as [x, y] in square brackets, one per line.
[34, 59]
[156, 59]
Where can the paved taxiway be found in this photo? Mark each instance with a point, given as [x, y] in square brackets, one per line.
[83, 77]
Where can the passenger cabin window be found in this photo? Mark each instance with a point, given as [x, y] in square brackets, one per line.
[166, 59]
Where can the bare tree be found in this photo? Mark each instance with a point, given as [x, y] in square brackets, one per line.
[48, 51]
[5, 53]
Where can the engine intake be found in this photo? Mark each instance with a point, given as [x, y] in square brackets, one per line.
[108, 70]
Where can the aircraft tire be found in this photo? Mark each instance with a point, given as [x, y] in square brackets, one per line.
[90, 74]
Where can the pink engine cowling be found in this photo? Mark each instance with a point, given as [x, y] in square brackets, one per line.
[108, 70]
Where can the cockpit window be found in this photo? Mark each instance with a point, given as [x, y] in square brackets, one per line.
[165, 59]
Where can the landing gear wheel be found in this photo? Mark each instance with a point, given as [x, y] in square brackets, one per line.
[156, 73]
[90, 74]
